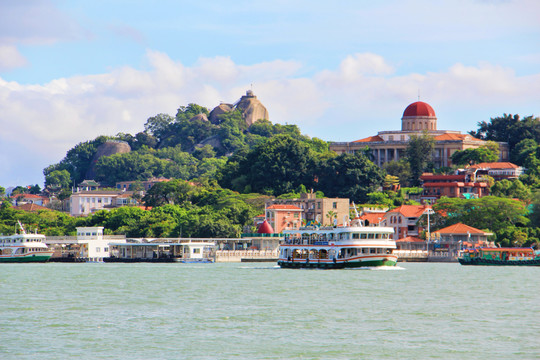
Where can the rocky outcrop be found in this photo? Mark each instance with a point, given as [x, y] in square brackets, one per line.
[250, 107]
[108, 148]
[220, 110]
[201, 116]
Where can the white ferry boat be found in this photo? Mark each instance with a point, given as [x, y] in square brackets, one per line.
[349, 246]
[24, 248]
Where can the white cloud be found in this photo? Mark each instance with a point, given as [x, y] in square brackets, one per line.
[11, 58]
[357, 99]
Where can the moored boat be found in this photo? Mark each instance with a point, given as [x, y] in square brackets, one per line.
[500, 256]
[24, 248]
[350, 246]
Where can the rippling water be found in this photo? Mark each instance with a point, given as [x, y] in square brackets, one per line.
[258, 311]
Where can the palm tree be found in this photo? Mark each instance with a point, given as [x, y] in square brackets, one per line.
[331, 215]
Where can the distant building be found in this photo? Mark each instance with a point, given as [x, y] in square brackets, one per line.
[418, 117]
[404, 220]
[316, 210]
[83, 203]
[450, 240]
[455, 186]
[283, 217]
[497, 170]
[21, 199]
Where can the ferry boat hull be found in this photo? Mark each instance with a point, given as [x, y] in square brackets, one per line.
[339, 264]
[27, 258]
[494, 262]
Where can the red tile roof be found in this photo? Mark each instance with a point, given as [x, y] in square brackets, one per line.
[370, 139]
[410, 210]
[410, 239]
[283, 207]
[494, 165]
[461, 229]
[373, 218]
[454, 137]
[31, 207]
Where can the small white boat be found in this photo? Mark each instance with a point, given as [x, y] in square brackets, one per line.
[24, 248]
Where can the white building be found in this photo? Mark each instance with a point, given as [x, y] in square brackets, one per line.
[89, 244]
[83, 203]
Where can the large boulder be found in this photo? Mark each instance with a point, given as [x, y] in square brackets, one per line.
[252, 109]
[221, 109]
[108, 148]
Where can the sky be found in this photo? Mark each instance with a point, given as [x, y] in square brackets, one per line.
[72, 70]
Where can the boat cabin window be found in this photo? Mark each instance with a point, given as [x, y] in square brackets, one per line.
[356, 236]
[372, 251]
[371, 236]
[363, 236]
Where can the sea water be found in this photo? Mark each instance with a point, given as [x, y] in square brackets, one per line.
[259, 311]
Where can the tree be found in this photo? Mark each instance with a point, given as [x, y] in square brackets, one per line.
[159, 125]
[277, 166]
[58, 179]
[331, 215]
[350, 176]
[169, 192]
[485, 153]
[511, 189]
[523, 150]
[489, 212]
[509, 128]
[419, 154]
[401, 169]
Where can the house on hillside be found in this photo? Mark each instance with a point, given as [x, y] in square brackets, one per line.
[21, 199]
[404, 220]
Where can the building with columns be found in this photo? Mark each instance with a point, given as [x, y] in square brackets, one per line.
[418, 117]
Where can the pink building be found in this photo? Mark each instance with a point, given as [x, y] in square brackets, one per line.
[284, 217]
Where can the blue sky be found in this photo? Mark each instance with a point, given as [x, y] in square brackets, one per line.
[73, 70]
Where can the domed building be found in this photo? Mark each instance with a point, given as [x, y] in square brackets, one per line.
[418, 117]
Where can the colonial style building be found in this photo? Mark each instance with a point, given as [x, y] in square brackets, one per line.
[404, 220]
[418, 117]
[497, 170]
[461, 185]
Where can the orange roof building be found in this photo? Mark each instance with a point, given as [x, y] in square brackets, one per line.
[404, 220]
[418, 117]
[463, 234]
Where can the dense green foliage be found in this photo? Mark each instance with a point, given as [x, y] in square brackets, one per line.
[485, 153]
[275, 160]
[419, 151]
[190, 211]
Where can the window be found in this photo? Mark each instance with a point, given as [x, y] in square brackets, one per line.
[98, 249]
[296, 215]
[106, 249]
[334, 205]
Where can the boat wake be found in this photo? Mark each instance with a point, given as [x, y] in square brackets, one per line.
[379, 268]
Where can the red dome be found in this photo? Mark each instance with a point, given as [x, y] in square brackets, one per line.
[419, 108]
[265, 228]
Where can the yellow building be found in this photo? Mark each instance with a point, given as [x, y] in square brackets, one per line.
[418, 117]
